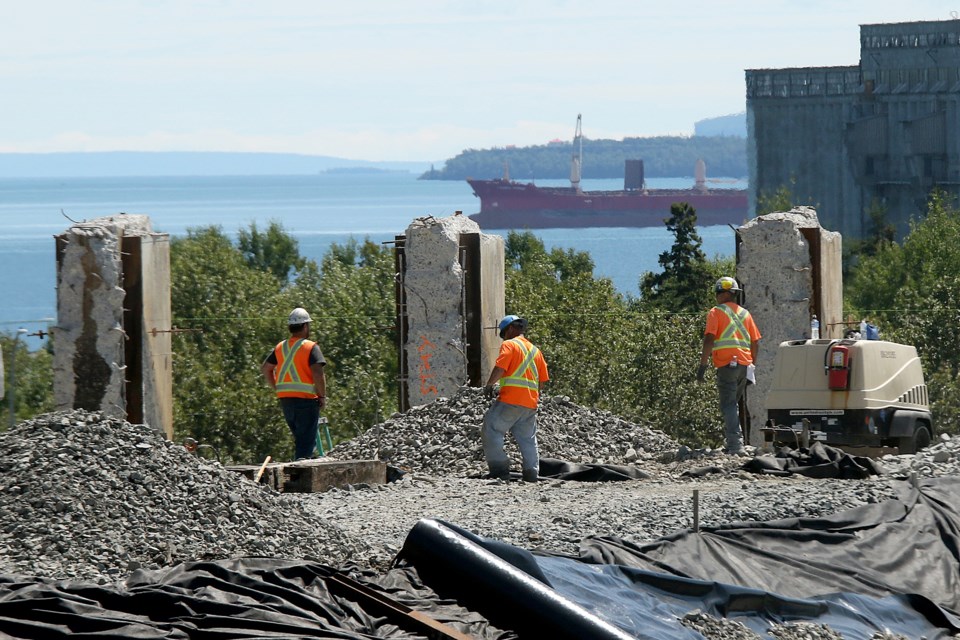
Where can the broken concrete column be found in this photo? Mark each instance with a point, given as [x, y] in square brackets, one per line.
[789, 268]
[113, 274]
[435, 285]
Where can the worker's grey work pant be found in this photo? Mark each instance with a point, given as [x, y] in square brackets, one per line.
[521, 422]
[731, 382]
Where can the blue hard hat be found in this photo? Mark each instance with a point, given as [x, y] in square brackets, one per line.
[509, 320]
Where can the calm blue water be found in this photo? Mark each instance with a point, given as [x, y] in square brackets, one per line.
[317, 210]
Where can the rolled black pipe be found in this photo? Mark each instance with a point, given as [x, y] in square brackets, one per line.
[455, 566]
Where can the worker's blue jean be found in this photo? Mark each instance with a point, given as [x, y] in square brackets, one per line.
[521, 422]
[302, 415]
[731, 382]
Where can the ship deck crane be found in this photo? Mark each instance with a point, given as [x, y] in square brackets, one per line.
[576, 161]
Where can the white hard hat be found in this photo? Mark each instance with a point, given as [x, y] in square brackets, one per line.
[726, 283]
[299, 316]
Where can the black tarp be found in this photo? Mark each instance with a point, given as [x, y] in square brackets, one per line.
[905, 546]
[588, 472]
[890, 566]
[244, 598]
[556, 469]
[817, 461]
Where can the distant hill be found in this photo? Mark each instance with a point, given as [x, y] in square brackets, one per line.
[663, 157]
[732, 125]
[181, 163]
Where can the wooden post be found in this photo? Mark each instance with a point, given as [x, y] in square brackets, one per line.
[263, 467]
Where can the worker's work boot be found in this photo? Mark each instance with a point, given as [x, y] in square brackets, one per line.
[500, 471]
[530, 475]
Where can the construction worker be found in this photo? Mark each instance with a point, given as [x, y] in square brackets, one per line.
[294, 369]
[520, 369]
[732, 338]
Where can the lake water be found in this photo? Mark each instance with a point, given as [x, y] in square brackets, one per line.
[317, 210]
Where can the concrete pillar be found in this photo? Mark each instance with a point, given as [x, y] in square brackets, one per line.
[443, 299]
[112, 340]
[789, 268]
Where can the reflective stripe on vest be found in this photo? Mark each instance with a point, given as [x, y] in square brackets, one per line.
[289, 369]
[518, 377]
[728, 339]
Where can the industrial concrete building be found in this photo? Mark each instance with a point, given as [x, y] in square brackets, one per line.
[876, 136]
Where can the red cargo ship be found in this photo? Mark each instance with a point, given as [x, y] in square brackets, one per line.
[505, 204]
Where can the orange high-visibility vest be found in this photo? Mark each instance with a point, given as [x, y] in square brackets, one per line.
[521, 386]
[736, 331]
[293, 374]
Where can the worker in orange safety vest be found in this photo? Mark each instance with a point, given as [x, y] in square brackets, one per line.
[520, 369]
[294, 369]
[732, 339]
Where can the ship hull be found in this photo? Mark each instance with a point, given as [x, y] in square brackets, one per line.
[506, 204]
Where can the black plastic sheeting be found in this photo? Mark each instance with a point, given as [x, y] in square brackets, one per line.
[245, 598]
[817, 461]
[891, 566]
[563, 470]
[905, 546]
[556, 469]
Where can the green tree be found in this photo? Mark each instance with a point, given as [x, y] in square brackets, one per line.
[274, 250]
[679, 287]
[357, 327]
[912, 292]
[236, 310]
[229, 310]
[32, 373]
[880, 234]
[780, 200]
[603, 352]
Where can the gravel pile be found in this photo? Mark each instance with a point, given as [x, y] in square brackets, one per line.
[443, 437]
[94, 498]
[724, 629]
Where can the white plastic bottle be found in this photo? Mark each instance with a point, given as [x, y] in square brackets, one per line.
[814, 328]
[863, 329]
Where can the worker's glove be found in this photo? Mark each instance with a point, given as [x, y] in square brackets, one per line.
[701, 370]
[490, 392]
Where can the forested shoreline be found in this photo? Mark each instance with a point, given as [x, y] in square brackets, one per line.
[663, 157]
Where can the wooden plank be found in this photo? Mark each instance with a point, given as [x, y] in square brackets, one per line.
[157, 336]
[315, 476]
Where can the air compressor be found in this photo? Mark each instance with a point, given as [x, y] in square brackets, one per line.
[867, 396]
[837, 366]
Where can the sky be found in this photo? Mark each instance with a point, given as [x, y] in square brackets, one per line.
[391, 80]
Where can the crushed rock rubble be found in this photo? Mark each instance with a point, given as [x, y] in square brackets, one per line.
[89, 497]
[84, 496]
[443, 437]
